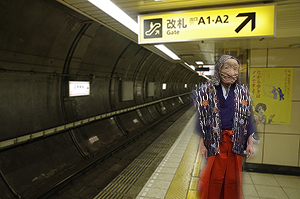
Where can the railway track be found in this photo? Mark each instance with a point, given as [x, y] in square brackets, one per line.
[90, 179]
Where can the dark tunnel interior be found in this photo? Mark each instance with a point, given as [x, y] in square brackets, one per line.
[44, 45]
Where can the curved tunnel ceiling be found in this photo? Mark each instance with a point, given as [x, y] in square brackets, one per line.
[45, 133]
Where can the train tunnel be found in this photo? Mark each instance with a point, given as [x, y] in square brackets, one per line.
[47, 135]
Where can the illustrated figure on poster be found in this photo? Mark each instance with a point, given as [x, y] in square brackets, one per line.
[274, 91]
[280, 94]
[260, 118]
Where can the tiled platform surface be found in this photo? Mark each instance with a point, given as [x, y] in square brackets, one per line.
[175, 175]
[267, 186]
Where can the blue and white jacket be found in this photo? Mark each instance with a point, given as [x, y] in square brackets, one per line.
[208, 107]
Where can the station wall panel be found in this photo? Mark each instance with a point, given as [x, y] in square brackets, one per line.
[296, 83]
[284, 57]
[281, 150]
[258, 58]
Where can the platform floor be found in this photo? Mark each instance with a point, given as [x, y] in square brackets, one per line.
[171, 170]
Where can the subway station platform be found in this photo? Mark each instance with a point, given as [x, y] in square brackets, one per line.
[170, 170]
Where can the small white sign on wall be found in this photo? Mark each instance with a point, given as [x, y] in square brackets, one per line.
[79, 88]
[93, 139]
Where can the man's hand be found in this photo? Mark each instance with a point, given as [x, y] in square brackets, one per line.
[249, 149]
[203, 149]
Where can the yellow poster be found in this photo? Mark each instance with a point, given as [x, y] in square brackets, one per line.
[271, 90]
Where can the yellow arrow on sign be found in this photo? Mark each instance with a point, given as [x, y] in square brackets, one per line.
[235, 22]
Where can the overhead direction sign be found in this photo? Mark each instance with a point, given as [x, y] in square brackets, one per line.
[236, 22]
[202, 69]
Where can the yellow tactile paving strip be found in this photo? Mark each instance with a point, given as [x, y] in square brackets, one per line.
[177, 175]
[185, 181]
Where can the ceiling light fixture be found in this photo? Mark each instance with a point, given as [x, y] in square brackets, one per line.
[187, 55]
[199, 62]
[115, 12]
[167, 51]
[191, 66]
[205, 77]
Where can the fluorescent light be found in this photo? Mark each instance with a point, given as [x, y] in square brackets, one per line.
[205, 77]
[115, 12]
[164, 86]
[167, 51]
[199, 62]
[191, 66]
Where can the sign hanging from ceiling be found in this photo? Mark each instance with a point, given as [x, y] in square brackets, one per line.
[236, 22]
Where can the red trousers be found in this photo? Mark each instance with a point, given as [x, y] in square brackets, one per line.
[222, 176]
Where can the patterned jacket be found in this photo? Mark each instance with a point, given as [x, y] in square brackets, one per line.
[210, 121]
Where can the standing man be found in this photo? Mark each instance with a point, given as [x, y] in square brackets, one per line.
[226, 128]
